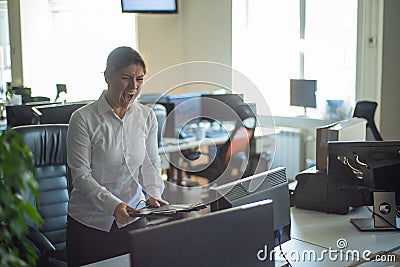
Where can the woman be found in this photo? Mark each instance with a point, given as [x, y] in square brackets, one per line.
[110, 143]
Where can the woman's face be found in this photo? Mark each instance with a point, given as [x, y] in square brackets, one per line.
[124, 86]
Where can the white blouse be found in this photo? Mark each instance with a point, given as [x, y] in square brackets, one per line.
[107, 155]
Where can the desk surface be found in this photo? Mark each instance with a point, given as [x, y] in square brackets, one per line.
[318, 231]
[170, 145]
[325, 229]
[313, 234]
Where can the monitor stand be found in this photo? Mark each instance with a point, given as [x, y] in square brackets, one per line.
[303, 115]
[384, 215]
[367, 224]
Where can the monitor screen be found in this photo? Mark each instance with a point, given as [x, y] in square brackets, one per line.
[231, 237]
[302, 93]
[223, 107]
[270, 184]
[149, 6]
[187, 110]
[374, 165]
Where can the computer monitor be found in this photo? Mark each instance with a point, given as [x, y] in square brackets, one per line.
[372, 166]
[302, 93]
[222, 107]
[271, 184]
[353, 129]
[187, 110]
[373, 172]
[240, 236]
[149, 6]
[25, 92]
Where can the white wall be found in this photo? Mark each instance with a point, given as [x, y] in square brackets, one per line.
[14, 23]
[66, 42]
[201, 30]
[390, 93]
[369, 52]
[35, 41]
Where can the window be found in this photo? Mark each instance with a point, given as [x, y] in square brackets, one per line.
[275, 41]
[84, 33]
[5, 60]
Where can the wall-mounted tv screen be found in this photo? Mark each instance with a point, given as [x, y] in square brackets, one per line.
[149, 6]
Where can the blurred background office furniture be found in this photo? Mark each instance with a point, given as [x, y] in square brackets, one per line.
[41, 113]
[232, 159]
[58, 113]
[302, 93]
[26, 94]
[366, 110]
[194, 116]
[166, 127]
[61, 93]
[48, 146]
[152, 98]
[18, 115]
[161, 116]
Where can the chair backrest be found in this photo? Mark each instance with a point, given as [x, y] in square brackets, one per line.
[58, 113]
[18, 115]
[366, 110]
[48, 146]
[239, 142]
[161, 115]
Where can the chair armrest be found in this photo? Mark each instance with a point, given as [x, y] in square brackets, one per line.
[44, 246]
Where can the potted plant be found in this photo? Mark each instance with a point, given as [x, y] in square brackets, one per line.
[16, 182]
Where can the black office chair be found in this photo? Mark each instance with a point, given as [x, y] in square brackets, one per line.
[48, 146]
[232, 159]
[18, 115]
[366, 110]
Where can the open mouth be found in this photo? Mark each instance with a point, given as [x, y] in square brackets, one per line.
[129, 95]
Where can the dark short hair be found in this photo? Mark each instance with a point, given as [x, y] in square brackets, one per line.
[122, 57]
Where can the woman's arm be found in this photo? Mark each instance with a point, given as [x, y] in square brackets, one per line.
[153, 184]
[79, 161]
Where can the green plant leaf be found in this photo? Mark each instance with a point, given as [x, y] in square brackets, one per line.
[17, 177]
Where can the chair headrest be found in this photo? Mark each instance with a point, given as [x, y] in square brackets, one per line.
[48, 143]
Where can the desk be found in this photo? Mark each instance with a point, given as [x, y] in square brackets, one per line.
[120, 261]
[169, 145]
[317, 232]
[312, 230]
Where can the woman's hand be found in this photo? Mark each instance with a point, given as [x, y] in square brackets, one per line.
[155, 203]
[121, 213]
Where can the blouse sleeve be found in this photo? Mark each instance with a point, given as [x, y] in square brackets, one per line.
[153, 183]
[79, 161]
